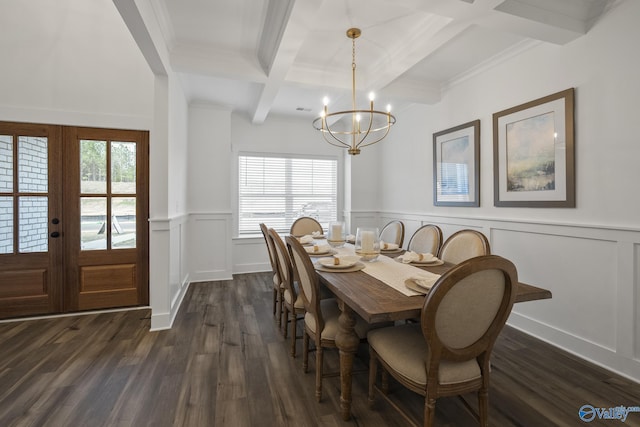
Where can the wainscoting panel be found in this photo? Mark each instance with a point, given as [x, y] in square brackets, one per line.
[581, 274]
[593, 272]
[210, 246]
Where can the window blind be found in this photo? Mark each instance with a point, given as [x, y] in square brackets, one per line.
[277, 190]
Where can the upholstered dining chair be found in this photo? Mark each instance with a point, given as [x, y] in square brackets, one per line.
[292, 304]
[321, 318]
[462, 245]
[278, 286]
[305, 225]
[448, 353]
[393, 232]
[427, 240]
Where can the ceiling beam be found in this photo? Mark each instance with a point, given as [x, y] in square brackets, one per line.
[279, 50]
[137, 18]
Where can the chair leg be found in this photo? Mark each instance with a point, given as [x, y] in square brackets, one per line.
[373, 368]
[275, 301]
[429, 411]
[483, 407]
[294, 321]
[319, 357]
[305, 352]
[280, 299]
[385, 381]
[286, 321]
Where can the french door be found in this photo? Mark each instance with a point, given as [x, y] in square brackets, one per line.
[73, 219]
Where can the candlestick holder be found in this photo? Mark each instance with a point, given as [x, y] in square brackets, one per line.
[336, 234]
[368, 243]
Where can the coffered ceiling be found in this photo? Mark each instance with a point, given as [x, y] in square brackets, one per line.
[282, 56]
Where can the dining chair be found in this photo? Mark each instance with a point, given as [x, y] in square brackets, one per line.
[321, 318]
[393, 232]
[426, 240]
[292, 304]
[305, 225]
[278, 287]
[462, 245]
[449, 352]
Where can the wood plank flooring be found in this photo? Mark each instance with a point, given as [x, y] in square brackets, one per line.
[225, 363]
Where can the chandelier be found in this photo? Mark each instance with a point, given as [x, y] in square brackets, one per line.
[354, 128]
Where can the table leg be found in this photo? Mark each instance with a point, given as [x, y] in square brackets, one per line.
[347, 342]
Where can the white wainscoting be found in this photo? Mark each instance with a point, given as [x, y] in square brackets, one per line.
[169, 275]
[210, 246]
[250, 255]
[593, 272]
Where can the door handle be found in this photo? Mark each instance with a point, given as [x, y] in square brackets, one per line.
[55, 234]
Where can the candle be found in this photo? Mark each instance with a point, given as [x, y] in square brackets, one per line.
[367, 241]
[336, 231]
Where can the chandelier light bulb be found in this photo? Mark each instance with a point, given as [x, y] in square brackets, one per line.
[372, 96]
[388, 108]
[325, 101]
[358, 118]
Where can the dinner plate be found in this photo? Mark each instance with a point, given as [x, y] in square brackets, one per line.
[355, 267]
[391, 251]
[434, 262]
[416, 287]
[344, 263]
[322, 253]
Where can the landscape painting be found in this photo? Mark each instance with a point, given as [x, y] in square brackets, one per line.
[531, 154]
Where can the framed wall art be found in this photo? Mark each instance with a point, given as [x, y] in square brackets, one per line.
[533, 153]
[456, 166]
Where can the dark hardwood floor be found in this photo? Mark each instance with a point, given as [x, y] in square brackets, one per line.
[224, 363]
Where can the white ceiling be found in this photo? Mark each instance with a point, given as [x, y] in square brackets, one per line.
[283, 56]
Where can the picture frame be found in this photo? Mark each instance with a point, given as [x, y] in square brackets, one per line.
[533, 153]
[456, 166]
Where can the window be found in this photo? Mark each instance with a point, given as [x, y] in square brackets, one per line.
[277, 189]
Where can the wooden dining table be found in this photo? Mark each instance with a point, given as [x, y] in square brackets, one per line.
[376, 302]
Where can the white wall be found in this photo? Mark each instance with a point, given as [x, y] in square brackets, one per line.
[75, 65]
[587, 256]
[209, 193]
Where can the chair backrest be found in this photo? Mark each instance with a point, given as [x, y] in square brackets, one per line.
[285, 267]
[393, 232]
[463, 245]
[426, 239]
[466, 309]
[307, 280]
[272, 252]
[305, 225]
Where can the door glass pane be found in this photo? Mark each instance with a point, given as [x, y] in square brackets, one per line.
[93, 223]
[33, 167]
[6, 225]
[93, 167]
[123, 222]
[123, 167]
[32, 224]
[6, 163]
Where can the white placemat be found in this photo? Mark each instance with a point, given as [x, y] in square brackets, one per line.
[390, 271]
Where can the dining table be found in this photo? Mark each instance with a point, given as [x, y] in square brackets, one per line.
[360, 293]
